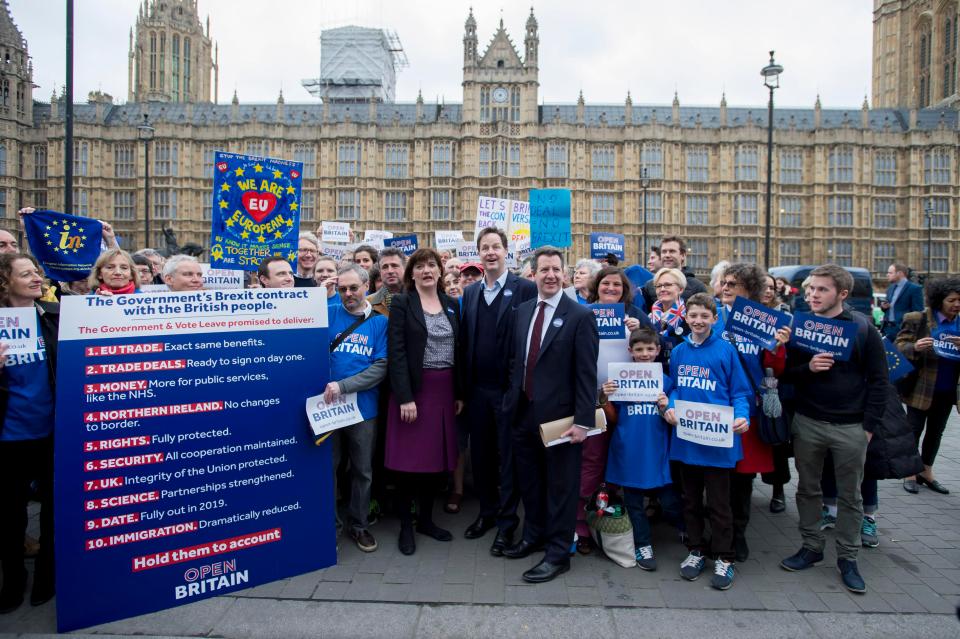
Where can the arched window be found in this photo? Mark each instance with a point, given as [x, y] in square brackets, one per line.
[924, 53]
[950, 53]
[163, 59]
[175, 54]
[3, 159]
[186, 68]
[153, 60]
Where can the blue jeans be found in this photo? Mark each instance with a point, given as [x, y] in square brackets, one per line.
[669, 501]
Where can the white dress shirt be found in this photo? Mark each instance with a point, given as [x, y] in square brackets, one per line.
[548, 311]
[490, 294]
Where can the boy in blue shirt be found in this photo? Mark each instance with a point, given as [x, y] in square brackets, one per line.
[707, 370]
[639, 458]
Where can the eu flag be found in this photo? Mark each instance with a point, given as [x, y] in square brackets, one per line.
[897, 365]
[67, 246]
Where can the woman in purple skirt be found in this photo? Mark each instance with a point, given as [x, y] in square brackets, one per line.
[421, 442]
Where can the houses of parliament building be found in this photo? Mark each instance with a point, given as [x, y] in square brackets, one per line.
[859, 187]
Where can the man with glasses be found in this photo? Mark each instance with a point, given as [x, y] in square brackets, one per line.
[358, 363]
[308, 250]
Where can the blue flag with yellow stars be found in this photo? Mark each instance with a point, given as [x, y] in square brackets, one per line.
[898, 366]
[256, 210]
[67, 246]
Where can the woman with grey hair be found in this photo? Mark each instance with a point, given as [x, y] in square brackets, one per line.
[583, 274]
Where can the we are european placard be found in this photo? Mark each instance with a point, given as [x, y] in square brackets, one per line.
[256, 210]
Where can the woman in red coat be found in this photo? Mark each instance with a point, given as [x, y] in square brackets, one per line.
[749, 281]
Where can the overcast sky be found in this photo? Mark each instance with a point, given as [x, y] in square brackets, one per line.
[700, 48]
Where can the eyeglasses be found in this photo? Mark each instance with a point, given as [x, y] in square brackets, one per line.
[348, 289]
[666, 285]
[308, 251]
[730, 283]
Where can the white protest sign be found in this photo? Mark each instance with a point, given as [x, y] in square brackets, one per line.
[375, 237]
[519, 229]
[492, 211]
[467, 252]
[335, 251]
[214, 279]
[336, 232]
[326, 417]
[448, 240]
[19, 330]
[705, 424]
[636, 382]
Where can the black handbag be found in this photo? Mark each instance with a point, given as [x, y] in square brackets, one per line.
[773, 431]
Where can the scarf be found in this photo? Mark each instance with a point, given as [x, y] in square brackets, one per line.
[123, 290]
[672, 317]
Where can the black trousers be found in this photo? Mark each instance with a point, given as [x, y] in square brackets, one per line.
[716, 483]
[22, 462]
[417, 489]
[935, 419]
[491, 453]
[741, 491]
[549, 486]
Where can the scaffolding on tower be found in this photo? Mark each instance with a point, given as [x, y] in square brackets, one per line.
[358, 64]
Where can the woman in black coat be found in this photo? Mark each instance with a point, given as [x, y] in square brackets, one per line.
[422, 355]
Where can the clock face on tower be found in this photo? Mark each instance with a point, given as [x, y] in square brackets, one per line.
[500, 95]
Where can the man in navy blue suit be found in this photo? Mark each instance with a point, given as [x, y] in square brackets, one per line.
[553, 376]
[486, 329]
[903, 296]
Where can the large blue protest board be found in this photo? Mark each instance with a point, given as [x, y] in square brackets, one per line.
[256, 210]
[602, 244]
[406, 243]
[184, 463]
[550, 218]
[67, 246]
[816, 334]
[756, 322]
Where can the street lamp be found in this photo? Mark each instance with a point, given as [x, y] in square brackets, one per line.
[145, 133]
[771, 80]
[928, 217]
[644, 185]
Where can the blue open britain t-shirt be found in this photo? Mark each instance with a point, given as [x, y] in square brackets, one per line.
[30, 399]
[365, 345]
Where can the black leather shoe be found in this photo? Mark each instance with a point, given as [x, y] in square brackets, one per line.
[521, 550]
[741, 550]
[430, 529]
[545, 571]
[41, 593]
[500, 543]
[933, 485]
[479, 528]
[406, 542]
[910, 485]
[777, 505]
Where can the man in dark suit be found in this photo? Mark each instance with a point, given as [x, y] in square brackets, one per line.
[486, 329]
[903, 296]
[553, 376]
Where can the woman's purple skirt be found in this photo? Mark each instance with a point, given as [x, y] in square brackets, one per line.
[429, 444]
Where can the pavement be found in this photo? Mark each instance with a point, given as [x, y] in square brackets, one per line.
[457, 589]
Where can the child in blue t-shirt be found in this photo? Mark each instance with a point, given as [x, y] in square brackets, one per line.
[707, 370]
[639, 458]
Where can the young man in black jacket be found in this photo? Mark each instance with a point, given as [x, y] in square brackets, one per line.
[837, 405]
